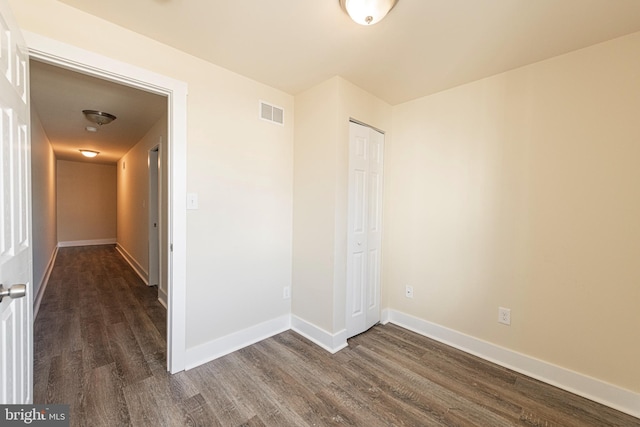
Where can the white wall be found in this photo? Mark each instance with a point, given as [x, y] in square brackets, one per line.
[86, 203]
[521, 191]
[43, 188]
[133, 200]
[239, 240]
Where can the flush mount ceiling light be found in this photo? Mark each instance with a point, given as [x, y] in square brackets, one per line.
[99, 117]
[89, 153]
[367, 12]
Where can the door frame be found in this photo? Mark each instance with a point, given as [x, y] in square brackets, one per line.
[156, 224]
[73, 58]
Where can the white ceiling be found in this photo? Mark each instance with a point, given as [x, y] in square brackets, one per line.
[422, 47]
[60, 95]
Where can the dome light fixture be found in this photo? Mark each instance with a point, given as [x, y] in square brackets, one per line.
[99, 117]
[89, 153]
[367, 12]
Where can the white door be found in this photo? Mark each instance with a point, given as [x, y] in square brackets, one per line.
[364, 240]
[16, 326]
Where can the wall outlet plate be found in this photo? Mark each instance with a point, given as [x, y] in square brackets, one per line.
[504, 316]
[408, 291]
[286, 292]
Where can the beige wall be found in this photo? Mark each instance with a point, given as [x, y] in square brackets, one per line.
[133, 198]
[521, 191]
[239, 240]
[43, 185]
[86, 201]
[314, 204]
[321, 158]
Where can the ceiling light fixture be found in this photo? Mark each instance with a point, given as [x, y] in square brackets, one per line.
[367, 12]
[99, 117]
[89, 153]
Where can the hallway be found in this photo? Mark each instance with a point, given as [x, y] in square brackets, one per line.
[99, 329]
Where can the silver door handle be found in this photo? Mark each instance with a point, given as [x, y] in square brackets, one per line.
[15, 291]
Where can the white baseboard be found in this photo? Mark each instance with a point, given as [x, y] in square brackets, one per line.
[137, 267]
[599, 391]
[95, 242]
[212, 350]
[44, 282]
[162, 297]
[330, 342]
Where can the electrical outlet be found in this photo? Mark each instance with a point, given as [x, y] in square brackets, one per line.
[408, 291]
[504, 315]
[286, 292]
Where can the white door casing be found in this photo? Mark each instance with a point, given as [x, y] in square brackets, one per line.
[364, 240]
[16, 315]
[70, 57]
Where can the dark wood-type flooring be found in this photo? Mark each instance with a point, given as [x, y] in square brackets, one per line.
[100, 347]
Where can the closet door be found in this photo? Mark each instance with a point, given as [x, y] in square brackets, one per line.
[364, 240]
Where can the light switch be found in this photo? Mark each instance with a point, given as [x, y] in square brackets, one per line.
[192, 200]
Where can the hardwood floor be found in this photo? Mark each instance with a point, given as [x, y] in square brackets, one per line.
[100, 347]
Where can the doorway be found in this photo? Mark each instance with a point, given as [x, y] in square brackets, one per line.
[65, 56]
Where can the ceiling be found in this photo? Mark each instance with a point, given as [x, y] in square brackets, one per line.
[422, 47]
[59, 96]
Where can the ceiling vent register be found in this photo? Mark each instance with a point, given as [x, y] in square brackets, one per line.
[271, 113]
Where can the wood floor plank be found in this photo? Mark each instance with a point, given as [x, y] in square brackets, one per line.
[565, 407]
[142, 406]
[197, 412]
[419, 393]
[147, 336]
[104, 402]
[100, 347]
[41, 365]
[254, 422]
[300, 365]
[169, 391]
[255, 394]
[261, 366]
[230, 410]
[128, 356]
[97, 350]
[449, 373]
[54, 383]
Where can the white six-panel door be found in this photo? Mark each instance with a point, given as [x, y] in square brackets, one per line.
[16, 330]
[364, 240]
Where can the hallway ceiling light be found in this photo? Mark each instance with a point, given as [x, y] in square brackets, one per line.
[367, 12]
[89, 153]
[99, 117]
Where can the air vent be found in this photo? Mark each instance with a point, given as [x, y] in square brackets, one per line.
[271, 113]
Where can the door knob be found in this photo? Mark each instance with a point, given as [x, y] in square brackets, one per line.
[15, 291]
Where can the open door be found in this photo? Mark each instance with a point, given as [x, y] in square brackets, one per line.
[16, 308]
